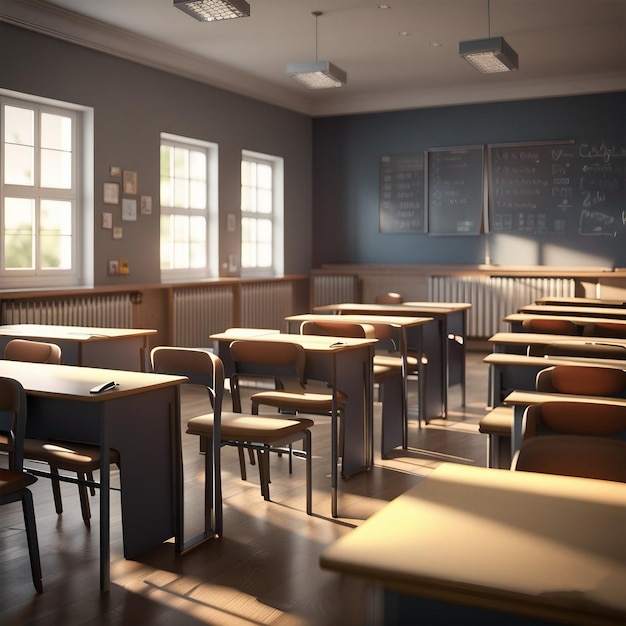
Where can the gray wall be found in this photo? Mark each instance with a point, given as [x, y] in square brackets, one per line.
[132, 105]
[346, 180]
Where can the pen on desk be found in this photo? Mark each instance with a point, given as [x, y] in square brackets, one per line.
[337, 343]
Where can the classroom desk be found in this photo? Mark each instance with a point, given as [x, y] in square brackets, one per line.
[114, 348]
[581, 321]
[545, 548]
[140, 419]
[594, 302]
[444, 343]
[346, 365]
[520, 399]
[585, 311]
[511, 342]
[519, 371]
[394, 434]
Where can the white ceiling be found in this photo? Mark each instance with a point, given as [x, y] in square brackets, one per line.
[565, 47]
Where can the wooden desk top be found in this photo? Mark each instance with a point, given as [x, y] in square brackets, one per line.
[575, 317]
[428, 308]
[545, 546]
[586, 311]
[506, 358]
[313, 343]
[389, 320]
[528, 339]
[594, 302]
[71, 333]
[524, 398]
[74, 382]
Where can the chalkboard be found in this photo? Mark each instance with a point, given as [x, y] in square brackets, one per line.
[557, 188]
[401, 205]
[455, 190]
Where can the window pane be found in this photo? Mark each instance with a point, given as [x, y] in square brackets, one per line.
[264, 176]
[19, 126]
[264, 231]
[19, 163]
[247, 201]
[181, 193]
[248, 255]
[56, 169]
[197, 191]
[264, 255]
[56, 132]
[166, 191]
[246, 173]
[166, 242]
[264, 201]
[55, 234]
[19, 220]
[197, 165]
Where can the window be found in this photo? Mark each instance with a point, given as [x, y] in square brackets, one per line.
[40, 193]
[261, 215]
[188, 203]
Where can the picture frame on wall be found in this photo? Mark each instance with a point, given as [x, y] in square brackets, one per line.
[129, 182]
[129, 209]
[111, 193]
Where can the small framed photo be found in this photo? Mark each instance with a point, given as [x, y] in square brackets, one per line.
[129, 182]
[129, 209]
[114, 267]
[117, 232]
[115, 171]
[146, 205]
[111, 193]
[107, 220]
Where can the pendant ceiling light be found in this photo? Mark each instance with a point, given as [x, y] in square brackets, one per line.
[317, 74]
[489, 55]
[213, 10]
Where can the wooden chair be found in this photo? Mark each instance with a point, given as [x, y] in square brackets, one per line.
[592, 349]
[572, 455]
[542, 324]
[283, 365]
[582, 380]
[606, 329]
[391, 297]
[83, 459]
[255, 432]
[14, 482]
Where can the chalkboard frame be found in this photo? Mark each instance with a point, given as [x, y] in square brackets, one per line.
[478, 195]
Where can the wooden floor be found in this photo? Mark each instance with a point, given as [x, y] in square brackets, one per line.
[263, 571]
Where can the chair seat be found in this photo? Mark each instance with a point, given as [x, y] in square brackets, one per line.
[390, 360]
[12, 481]
[77, 458]
[241, 427]
[300, 401]
[498, 421]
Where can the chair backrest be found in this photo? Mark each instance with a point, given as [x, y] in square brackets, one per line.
[572, 455]
[199, 366]
[543, 324]
[32, 351]
[575, 418]
[606, 329]
[578, 348]
[12, 421]
[275, 359]
[391, 297]
[582, 380]
[337, 329]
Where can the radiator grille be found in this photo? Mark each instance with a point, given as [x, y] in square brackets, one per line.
[105, 311]
[265, 305]
[333, 288]
[200, 312]
[494, 297]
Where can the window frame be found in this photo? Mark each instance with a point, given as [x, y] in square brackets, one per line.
[210, 212]
[80, 195]
[276, 216]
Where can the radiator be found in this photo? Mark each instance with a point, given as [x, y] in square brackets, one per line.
[265, 305]
[104, 311]
[494, 297]
[200, 312]
[333, 288]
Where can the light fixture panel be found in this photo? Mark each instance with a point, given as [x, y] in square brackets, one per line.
[214, 10]
[317, 75]
[489, 55]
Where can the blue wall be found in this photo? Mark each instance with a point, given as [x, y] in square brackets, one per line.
[346, 182]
